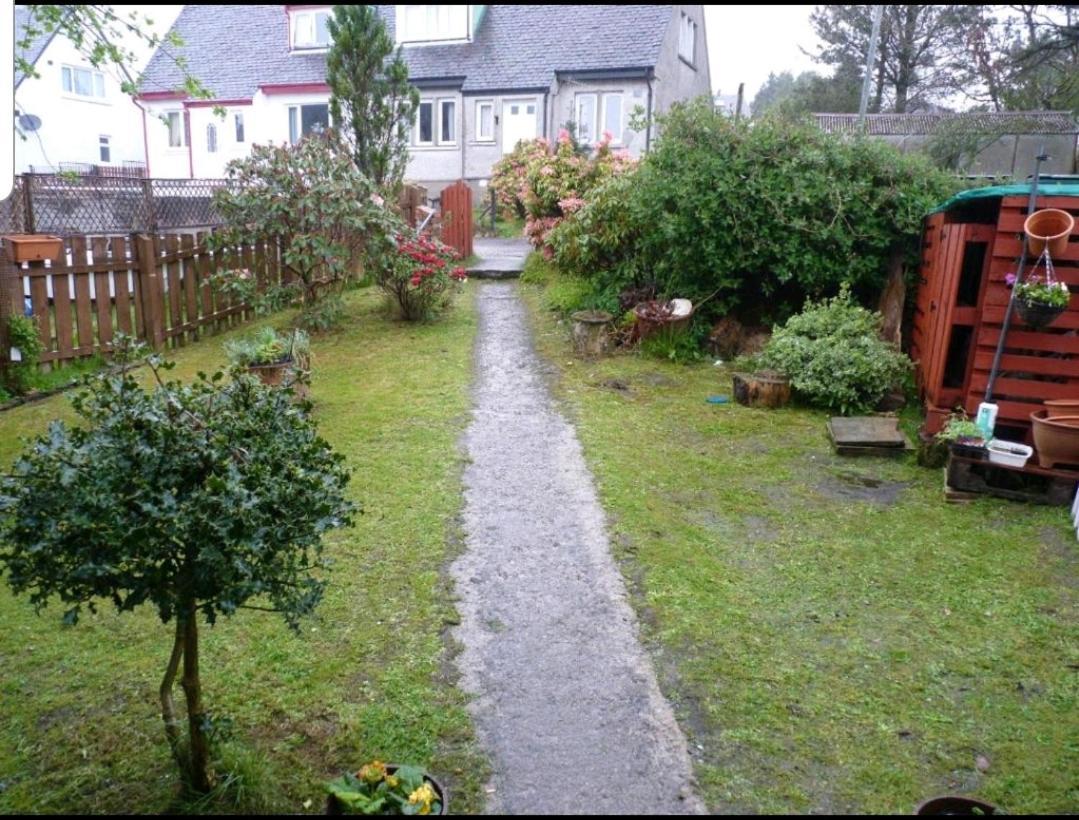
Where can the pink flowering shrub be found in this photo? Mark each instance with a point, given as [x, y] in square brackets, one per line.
[421, 276]
[509, 176]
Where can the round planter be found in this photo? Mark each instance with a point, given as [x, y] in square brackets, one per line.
[590, 332]
[1048, 227]
[1056, 440]
[764, 389]
[333, 805]
[1061, 407]
[1037, 315]
[955, 804]
[647, 327]
[273, 374]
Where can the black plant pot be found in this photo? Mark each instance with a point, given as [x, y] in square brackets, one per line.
[1038, 315]
[975, 451]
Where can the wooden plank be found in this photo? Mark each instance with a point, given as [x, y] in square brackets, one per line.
[61, 297]
[1010, 245]
[83, 304]
[121, 284]
[1020, 338]
[39, 304]
[866, 431]
[202, 266]
[994, 314]
[174, 283]
[190, 279]
[1053, 365]
[102, 292]
[249, 263]
[1037, 390]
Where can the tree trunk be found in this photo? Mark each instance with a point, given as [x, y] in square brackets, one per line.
[893, 299]
[202, 775]
[168, 706]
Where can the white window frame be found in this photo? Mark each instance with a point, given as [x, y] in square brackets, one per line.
[434, 124]
[577, 100]
[480, 105]
[104, 143]
[296, 110]
[311, 14]
[687, 39]
[425, 33]
[441, 110]
[168, 130]
[616, 138]
[97, 83]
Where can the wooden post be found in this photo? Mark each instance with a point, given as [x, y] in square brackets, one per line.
[151, 290]
[28, 203]
[11, 303]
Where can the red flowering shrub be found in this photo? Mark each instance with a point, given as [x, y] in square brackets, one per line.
[420, 276]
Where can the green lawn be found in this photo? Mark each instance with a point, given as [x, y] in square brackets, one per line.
[832, 635]
[369, 676]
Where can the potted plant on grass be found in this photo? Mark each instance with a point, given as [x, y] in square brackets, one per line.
[963, 437]
[381, 788]
[278, 359]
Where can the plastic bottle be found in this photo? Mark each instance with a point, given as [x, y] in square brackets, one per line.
[986, 420]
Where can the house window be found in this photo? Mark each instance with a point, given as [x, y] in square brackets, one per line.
[175, 122]
[426, 23]
[485, 121]
[425, 124]
[239, 119]
[447, 122]
[211, 139]
[687, 39]
[307, 119]
[104, 149]
[612, 117]
[586, 118]
[83, 82]
[310, 28]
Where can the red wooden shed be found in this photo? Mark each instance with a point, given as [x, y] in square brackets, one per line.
[970, 244]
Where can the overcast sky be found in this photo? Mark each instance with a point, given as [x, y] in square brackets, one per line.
[745, 43]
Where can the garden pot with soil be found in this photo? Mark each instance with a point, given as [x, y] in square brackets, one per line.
[590, 332]
[1056, 439]
[956, 805]
[765, 388]
[1049, 227]
[34, 247]
[1037, 315]
[657, 316]
[335, 806]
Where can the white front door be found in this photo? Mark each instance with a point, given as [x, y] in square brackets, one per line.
[518, 122]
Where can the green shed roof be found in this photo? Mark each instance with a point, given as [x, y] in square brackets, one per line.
[1047, 187]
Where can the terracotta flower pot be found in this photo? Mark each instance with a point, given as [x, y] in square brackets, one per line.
[1061, 407]
[1056, 440]
[271, 374]
[34, 247]
[1049, 226]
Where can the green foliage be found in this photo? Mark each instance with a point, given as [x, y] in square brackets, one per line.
[267, 346]
[242, 286]
[1035, 291]
[23, 334]
[758, 216]
[312, 199]
[375, 790]
[509, 176]
[792, 96]
[959, 427]
[834, 356]
[195, 499]
[676, 346]
[326, 314]
[421, 277]
[370, 94]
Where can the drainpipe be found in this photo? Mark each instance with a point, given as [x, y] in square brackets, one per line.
[546, 136]
[145, 138]
[648, 129]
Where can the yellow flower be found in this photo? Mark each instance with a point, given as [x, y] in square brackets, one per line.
[423, 796]
[373, 772]
[393, 781]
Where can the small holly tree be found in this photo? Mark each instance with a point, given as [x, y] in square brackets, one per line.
[197, 499]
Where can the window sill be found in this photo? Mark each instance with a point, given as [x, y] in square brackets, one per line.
[446, 148]
[80, 98]
[308, 50]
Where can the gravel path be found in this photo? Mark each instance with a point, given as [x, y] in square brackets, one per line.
[566, 701]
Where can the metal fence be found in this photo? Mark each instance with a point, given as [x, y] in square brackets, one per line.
[67, 205]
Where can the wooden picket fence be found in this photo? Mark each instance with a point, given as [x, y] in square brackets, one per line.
[154, 287]
[457, 227]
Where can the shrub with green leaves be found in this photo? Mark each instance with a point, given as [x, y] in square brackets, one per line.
[762, 214]
[198, 500]
[23, 335]
[834, 356]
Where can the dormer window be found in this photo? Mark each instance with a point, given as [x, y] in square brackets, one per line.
[424, 24]
[310, 29]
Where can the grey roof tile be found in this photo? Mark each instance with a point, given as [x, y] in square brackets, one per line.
[23, 17]
[233, 50]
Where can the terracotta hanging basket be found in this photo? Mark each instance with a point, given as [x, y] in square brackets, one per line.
[1048, 227]
[1037, 315]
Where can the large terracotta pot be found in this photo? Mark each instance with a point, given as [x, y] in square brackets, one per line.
[1061, 407]
[1056, 439]
[1049, 226]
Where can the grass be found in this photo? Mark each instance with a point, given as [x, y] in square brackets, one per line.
[833, 636]
[80, 729]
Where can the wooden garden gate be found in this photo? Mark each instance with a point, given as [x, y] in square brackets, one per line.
[457, 217]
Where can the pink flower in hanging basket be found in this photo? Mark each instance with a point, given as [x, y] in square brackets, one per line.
[1009, 279]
